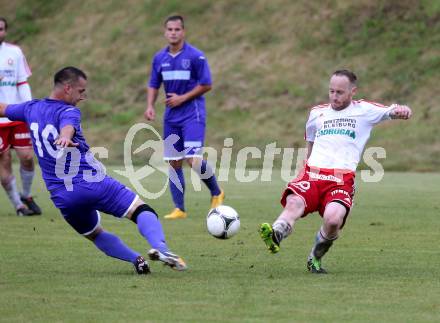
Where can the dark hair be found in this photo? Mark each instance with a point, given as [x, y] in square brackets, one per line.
[348, 74]
[68, 74]
[175, 18]
[5, 21]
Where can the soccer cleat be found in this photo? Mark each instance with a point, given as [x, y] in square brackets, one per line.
[314, 266]
[270, 237]
[217, 200]
[30, 203]
[24, 211]
[141, 266]
[168, 258]
[176, 214]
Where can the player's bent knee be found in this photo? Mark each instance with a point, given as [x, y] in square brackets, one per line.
[92, 236]
[335, 214]
[141, 208]
[25, 155]
[334, 221]
[27, 162]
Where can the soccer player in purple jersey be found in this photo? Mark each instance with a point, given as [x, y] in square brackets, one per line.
[77, 183]
[184, 71]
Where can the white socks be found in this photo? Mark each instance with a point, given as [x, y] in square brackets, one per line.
[283, 227]
[26, 181]
[11, 189]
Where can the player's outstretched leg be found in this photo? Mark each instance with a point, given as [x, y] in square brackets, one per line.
[269, 237]
[272, 235]
[113, 246]
[151, 229]
[141, 266]
[168, 258]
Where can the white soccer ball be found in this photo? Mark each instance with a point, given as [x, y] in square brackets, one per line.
[223, 222]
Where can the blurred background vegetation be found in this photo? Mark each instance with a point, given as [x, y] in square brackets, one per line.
[270, 61]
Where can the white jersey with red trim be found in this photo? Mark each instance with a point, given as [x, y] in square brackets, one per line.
[339, 137]
[14, 70]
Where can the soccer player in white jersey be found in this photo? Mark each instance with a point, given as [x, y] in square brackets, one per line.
[336, 134]
[14, 88]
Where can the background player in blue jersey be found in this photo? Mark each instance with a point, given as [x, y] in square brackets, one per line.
[77, 182]
[184, 71]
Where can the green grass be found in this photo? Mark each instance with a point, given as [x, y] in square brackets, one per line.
[384, 268]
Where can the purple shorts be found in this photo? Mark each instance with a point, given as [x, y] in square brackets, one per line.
[80, 207]
[183, 140]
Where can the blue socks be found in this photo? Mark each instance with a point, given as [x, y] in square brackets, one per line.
[151, 229]
[113, 246]
[177, 182]
[208, 177]
[177, 187]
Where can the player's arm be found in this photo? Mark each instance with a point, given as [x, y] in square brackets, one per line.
[65, 138]
[153, 87]
[3, 107]
[310, 133]
[174, 100]
[23, 73]
[24, 91]
[400, 112]
[152, 93]
[309, 148]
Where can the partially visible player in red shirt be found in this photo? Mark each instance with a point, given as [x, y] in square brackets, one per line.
[14, 88]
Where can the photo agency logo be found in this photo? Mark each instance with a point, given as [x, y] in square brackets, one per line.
[155, 163]
[292, 162]
[290, 166]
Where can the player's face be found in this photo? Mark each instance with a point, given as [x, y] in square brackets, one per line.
[340, 92]
[2, 31]
[76, 92]
[174, 32]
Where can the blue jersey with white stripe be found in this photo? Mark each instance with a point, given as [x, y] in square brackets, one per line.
[180, 74]
[60, 167]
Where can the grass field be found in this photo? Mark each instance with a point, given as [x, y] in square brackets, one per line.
[385, 267]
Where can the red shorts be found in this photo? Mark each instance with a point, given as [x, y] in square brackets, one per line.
[318, 187]
[16, 136]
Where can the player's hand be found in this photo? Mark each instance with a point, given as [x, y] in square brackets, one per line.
[150, 114]
[63, 142]
[400, 112]
[174, 100]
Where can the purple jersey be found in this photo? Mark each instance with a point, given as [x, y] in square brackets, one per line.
[60, 167]
[180, 74]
